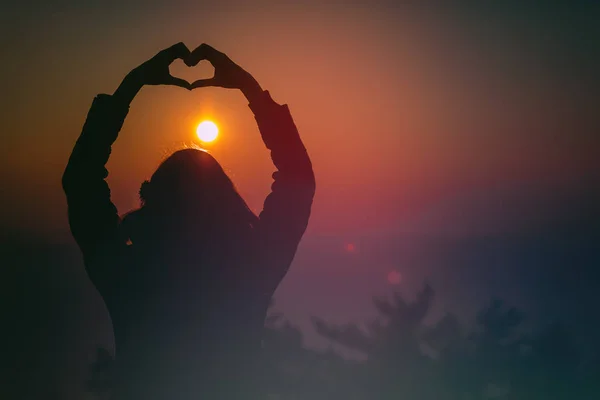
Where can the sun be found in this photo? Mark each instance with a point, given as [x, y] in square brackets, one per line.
[207, 131]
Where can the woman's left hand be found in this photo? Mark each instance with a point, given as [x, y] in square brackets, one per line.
[227, 73]
[155, 71]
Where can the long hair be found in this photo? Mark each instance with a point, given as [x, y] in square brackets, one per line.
[189, 196]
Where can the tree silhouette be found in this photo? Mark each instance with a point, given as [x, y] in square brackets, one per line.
[406, 358]
[397, 362]
[496, 358]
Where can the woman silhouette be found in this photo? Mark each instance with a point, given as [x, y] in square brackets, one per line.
[188, 277]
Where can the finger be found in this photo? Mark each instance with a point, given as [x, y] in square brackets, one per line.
[204, 52]
[171, 80]
[197, 55]
[192, 59]
[211, 53]
[204, 83]
[176, 51]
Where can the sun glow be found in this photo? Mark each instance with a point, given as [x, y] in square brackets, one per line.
[207, 131]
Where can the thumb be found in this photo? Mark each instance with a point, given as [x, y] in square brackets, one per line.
[204, 83]
[171, 80]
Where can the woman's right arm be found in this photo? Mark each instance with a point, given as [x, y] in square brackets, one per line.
[93, 218]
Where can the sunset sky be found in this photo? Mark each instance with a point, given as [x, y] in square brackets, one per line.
[458, 145]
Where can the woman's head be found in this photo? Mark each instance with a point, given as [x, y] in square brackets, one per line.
[188, 178]
[191, 193]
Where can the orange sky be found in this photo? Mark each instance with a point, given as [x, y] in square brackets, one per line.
[408, 114]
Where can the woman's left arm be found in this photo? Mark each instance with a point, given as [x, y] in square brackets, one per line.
[287, 208]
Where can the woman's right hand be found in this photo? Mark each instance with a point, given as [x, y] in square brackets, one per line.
[155, 71]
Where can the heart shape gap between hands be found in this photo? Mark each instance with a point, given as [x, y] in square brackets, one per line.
[203, 70]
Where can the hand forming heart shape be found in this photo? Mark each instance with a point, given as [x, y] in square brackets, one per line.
[227, 73]
[179, 69]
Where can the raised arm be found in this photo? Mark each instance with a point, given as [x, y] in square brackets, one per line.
[287, 208]
[93, 218]
[286, 211]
